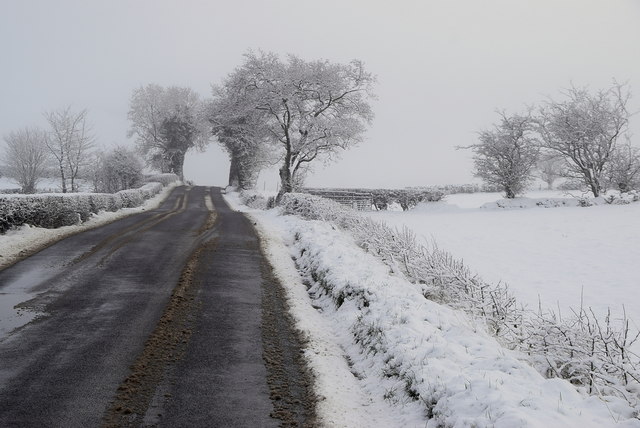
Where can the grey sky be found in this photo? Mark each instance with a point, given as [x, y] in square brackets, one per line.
[443, 66]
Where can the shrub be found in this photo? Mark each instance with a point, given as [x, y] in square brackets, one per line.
[254, 200]
[591, 353]
[56, 210]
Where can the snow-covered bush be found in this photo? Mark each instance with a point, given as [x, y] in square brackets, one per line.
[149, 190]
[118, 169]
[254, 200]
[65, 209]
[104, 202]
[49, 211]
[425, 358]
[130, 198]
[591, 353]
[441, 277]
[531, 203]
[383, 198]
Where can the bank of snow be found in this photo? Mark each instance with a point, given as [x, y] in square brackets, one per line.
[385, 356]
[14, 244]
[559, 258]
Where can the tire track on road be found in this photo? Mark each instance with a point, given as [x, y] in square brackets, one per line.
[128, 234]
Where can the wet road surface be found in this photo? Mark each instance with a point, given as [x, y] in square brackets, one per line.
[166, 318]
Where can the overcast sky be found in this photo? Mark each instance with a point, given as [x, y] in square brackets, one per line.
[443, 67]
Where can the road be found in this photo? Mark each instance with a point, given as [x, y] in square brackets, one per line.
[166, 318]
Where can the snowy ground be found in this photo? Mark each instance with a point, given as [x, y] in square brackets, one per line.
[371, 358]
[45, 185]
[548, 255]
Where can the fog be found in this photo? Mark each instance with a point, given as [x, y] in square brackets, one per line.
[443, 68]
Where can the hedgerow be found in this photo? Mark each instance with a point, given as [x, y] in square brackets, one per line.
[55, 210]
[592, 353]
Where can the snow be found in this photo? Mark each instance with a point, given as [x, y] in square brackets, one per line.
[395, 340]
[45, 184]
[554, 257]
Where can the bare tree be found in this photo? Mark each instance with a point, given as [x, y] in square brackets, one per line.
[623, 170]
[26, 157]
[70, 142]
[117, 169]
[167, 123]
[550, 169]
[584, 128]
[507, 155]
[312, 110]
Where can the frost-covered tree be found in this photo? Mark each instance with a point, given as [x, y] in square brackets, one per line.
[312, 109]
[623, 170]
[243, 135]
[167, 123]
[70, 143]
[507, 154]
[26, 157]
[118, 169]
[550, 169]
[584, 128]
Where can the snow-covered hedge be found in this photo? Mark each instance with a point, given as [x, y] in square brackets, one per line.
[383, 198]
[593, 354]
[255, 200]
[611, 197]
[426, 359]
[54, 210]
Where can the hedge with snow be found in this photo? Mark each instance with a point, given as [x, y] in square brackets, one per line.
[65, 209]
[593, 354]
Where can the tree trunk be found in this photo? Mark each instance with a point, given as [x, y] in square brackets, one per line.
[509, 193]
[234, 172]
[593, 182]
[63, 180]
[286, 180]
[177, 164]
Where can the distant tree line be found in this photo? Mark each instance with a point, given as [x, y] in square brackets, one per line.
[66, 151]
[267, 112]
[581, 137]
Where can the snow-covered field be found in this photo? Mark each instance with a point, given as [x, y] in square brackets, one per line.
[45, 185]
[551, 256]
[404, 360]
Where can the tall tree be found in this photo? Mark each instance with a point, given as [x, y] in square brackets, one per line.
[623, 171]
[507, 154]
[243, 135]
[312, 110]
[70, 142]
[167, 123]
[26, 157]
[584, 128]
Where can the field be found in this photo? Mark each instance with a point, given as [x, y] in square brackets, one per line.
[549, 256]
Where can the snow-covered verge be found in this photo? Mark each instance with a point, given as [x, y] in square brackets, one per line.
[17, 242]
[434, 365]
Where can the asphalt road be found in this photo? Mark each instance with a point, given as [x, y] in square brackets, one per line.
[166, 318]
